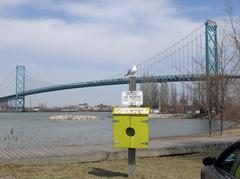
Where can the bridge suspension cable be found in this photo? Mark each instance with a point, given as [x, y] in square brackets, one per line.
[33, 81]
[180, 58]
[8, 83]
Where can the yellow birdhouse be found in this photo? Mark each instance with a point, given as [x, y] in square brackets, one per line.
[130, 127]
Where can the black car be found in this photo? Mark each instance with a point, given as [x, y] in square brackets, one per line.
[226, 166]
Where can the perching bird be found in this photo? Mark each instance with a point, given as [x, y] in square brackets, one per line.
[131, 71]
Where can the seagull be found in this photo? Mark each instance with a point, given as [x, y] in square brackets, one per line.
[131, 71]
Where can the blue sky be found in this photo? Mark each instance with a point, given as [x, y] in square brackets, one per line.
[77, 40]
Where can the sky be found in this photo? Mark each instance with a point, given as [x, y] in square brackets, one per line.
[63, 41]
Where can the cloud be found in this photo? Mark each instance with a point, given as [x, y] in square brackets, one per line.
[119, 32]
[126, 12]
[73, 41]
[13, 2]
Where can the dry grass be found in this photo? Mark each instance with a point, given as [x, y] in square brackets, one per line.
[232, 113]
[180, 167]
[232, 131]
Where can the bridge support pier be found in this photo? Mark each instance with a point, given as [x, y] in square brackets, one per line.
[20, 87]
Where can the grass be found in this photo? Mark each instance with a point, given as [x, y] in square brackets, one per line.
[172, 167]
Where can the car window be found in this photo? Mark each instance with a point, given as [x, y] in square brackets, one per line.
[228, 163]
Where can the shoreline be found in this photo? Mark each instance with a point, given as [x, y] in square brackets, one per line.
[216, 133]
[170, 116]
[164, 146]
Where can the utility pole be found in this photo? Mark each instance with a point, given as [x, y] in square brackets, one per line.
[132, 151]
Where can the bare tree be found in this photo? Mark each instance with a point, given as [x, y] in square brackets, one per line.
[183, 99]
[229, 57]
[234, 30]
[164, 94]
[150, 90]
[216, 90]
[173, 98]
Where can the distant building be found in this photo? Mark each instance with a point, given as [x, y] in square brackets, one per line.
[103, 107]
[70, 108]
[7, 106]
[3, 106]
[83, 106]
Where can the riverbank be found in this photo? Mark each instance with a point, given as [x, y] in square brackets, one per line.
[170, 116]
[161, 160]
[93, 153]
[157, 147]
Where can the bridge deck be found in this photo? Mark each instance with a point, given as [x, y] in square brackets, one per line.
[106, 82]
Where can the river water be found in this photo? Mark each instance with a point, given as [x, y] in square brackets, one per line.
[33, 129]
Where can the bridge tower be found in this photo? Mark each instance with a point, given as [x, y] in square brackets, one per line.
[212, 68]
[20, 87]
[212, 63]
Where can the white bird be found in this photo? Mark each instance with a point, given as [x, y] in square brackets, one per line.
[131, 71]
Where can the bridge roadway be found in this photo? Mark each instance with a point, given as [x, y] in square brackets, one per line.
[106, 82]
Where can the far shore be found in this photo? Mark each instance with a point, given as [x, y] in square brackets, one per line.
[171, 116]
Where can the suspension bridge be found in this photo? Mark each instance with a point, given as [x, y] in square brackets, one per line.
[190, 59]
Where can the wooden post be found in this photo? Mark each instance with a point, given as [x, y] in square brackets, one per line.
[131, 162]
[132, 151]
